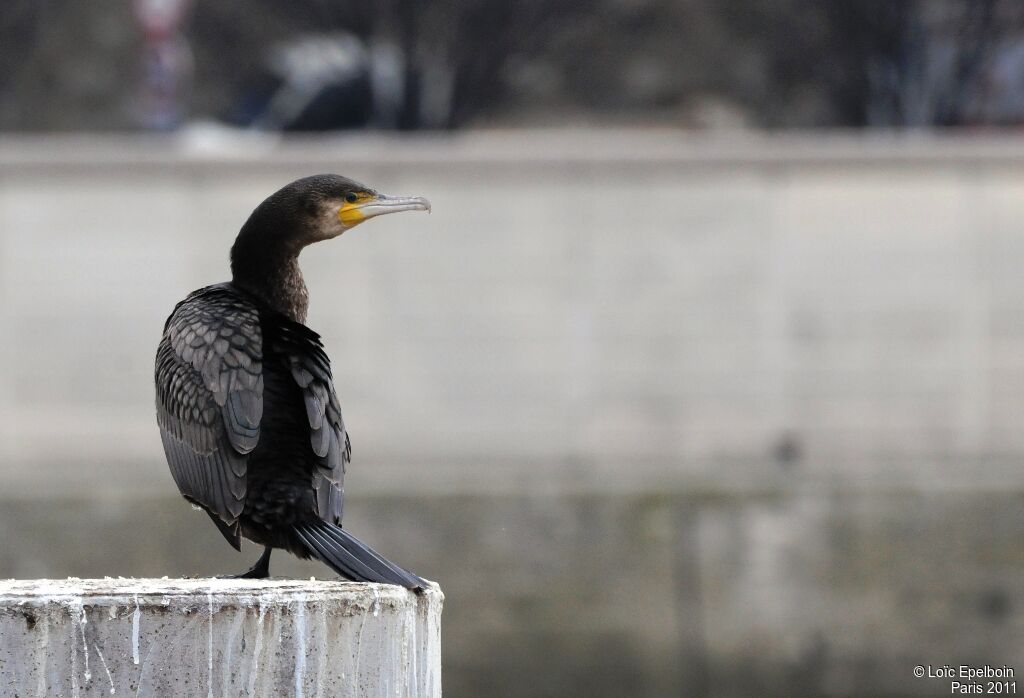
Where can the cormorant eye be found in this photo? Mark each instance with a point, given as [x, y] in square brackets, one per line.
[351, 197]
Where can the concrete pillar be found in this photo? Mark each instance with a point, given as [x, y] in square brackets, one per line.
[217, 637]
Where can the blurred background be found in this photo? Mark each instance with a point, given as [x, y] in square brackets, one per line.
[704, 377]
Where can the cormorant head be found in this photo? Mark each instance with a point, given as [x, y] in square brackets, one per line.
[323, 207]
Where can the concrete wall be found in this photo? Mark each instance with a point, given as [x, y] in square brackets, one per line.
[581, 306]
[183, 638]
[657, 413]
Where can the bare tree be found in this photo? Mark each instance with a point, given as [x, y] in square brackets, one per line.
[786, 63]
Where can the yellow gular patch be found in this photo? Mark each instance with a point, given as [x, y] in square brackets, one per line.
[350, 214]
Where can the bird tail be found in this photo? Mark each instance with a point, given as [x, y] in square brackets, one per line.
[350, 557]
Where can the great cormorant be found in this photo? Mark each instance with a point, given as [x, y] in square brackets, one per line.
[249, 420]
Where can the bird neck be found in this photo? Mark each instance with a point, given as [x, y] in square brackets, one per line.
[269, 270]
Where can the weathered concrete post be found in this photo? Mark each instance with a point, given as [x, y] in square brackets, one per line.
[218, 638]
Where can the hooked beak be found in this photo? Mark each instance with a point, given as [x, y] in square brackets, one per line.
[377, 205]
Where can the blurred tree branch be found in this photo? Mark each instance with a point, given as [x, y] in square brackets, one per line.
[787, 63]
[875, 62]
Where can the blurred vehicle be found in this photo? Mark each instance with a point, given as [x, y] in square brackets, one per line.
[324, 82]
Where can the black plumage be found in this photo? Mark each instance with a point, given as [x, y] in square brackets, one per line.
[248, 415]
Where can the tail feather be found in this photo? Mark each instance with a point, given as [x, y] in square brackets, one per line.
[345, 565]
[351, 558]
[369, 556]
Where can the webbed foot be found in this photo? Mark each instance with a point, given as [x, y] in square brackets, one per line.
[261, 570]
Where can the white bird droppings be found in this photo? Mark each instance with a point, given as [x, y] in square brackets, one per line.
[136, 617]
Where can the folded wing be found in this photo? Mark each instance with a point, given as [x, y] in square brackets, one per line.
[209, 388]
[302, 350]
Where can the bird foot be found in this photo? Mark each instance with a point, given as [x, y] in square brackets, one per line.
[261, 570]
[248, 574]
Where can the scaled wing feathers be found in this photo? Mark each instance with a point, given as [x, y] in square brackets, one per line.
[210, 396]
[311, 370]
[210, 401]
